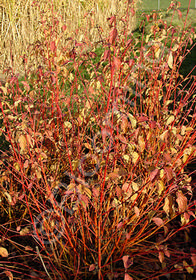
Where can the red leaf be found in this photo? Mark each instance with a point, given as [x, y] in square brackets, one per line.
[179, 14]
[117, 63]
[132, 12]
[142, 119]
[64, 27]
[113, 35]
[169, 173]
[53, 46]
[106, 55]
[153, 174]
[147, 17]
[92, 267]
[158, 221]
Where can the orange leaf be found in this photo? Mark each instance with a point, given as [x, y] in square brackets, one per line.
[161, 256]
[127, 277]
[9, 275]
[127, 261]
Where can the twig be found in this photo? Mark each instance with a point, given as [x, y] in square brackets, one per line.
[37, 249]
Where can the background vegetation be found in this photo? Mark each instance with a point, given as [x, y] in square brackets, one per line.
[97, 142]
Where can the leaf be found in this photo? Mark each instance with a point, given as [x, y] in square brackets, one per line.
[135, 157]
[132, 11]
[113, 35]
[168, 206]
[117, 63]
[161, 186]
[141, 143]
[24, 231]
[126, 157]
[158, 221]
[92, 267]
[52, 46]
[161, 256]
[193, 258]
[179, 14]
[3, 252]
[188, 268]
[127, 277]
[127, 261]
[170, 60]
[153, 174]
[9, 274]
[182, 202]
[127, 189]
[133, 121]
[137, 211]
[135, 186]
[170, 120]
[22, 143]
[67, 125]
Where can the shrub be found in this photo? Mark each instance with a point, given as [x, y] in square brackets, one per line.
[94, 178]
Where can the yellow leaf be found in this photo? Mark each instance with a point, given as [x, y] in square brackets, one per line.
[22, 143]
[126, 157]
[170, 60]
[24, 231]
[67, 125]
[133, 121]
[161, 186]
[134, 197]
[135, 157]
[3, 252]
[135, 186]
[188, 268]
[170, 120]
[162, 173]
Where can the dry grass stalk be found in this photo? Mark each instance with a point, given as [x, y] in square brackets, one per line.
[20, 23]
